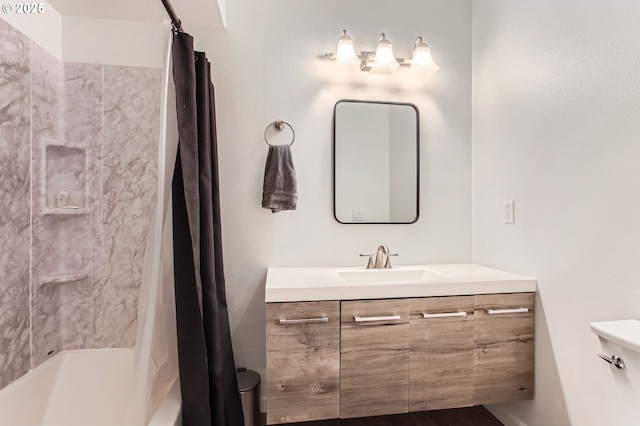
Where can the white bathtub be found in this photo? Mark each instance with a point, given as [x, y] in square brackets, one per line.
[79, 388]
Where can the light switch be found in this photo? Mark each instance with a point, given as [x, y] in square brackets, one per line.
[508, 213]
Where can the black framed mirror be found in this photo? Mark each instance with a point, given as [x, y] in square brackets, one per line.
[376, 162]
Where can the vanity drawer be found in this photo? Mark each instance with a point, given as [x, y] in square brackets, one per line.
[303, 361]
[503, 349]
[441, 353]
[374, 355]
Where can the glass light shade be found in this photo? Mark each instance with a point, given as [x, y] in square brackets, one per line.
[384, 62]
[422, 64]
[346, 58]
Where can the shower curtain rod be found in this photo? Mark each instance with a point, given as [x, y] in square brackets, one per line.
[177, 25]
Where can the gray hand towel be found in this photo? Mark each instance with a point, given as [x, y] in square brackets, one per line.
[280, 188]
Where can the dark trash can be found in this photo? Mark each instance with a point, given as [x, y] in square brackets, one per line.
[249, 387]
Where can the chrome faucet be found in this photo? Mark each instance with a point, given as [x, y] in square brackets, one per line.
[382, 258]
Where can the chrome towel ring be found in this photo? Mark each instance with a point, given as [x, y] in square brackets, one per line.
[279, 124]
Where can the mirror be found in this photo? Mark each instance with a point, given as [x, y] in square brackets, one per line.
[375, 162]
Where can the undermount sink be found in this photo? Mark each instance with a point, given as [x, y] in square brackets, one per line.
[390, 275]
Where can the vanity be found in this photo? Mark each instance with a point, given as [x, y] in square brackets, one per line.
[356, 342]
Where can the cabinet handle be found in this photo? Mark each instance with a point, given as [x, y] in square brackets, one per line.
[444, 315]
[507, 311]
[365, 319]
[303, 320]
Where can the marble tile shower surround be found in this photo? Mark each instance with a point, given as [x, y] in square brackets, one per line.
[91, 131]
[131, 113]
[15, 123]
[66, 146]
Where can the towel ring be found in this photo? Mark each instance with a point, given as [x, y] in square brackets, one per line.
[279, 124]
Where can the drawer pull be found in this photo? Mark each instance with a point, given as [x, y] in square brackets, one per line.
[445, 315]
[366, 319]
[507, 311]
[303, 320]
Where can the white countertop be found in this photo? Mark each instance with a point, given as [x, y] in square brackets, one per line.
[309, 284]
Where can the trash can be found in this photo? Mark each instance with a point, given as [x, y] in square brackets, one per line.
[249, 387]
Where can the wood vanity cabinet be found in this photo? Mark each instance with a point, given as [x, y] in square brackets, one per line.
[303, 362]
[441, 353]
[361, 358]
[504, 356]
[374, 356]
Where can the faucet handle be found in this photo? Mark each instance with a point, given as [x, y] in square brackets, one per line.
[370, 263]
[387, 264]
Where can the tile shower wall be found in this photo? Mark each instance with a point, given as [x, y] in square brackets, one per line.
[15, 123]
[82, 139]
[65, 158]
[131, 124]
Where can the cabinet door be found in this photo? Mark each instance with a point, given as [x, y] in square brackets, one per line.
[441, 353]
[303, 361]
[503, 351]
[374, 356]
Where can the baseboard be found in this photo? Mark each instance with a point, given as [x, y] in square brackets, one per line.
[506, 417]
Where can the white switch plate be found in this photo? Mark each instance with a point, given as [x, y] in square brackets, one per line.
[508, 213]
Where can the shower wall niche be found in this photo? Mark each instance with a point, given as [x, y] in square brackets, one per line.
[79, 173]
[65, 179]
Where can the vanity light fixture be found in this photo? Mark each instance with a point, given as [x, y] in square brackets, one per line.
[382, 61]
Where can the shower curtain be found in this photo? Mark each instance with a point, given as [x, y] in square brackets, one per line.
[207, 370]
[155, 367]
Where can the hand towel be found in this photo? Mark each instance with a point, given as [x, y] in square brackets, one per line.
[280, 190]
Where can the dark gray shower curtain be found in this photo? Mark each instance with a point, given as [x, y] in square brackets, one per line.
[207, 369]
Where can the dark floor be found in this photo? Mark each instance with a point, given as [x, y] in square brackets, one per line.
[474, 416]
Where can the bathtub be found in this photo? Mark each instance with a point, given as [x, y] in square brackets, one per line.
[79, 388]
